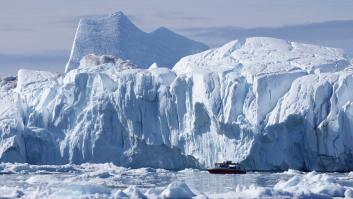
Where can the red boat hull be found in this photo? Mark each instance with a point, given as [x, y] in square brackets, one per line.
[226, 171]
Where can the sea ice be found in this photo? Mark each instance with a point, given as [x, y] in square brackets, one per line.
[82, 181]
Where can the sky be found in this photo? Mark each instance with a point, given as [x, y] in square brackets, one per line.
[38, 34]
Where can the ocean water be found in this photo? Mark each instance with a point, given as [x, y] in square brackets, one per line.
[108, 181]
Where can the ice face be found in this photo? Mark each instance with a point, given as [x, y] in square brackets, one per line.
[292, 100]
[268, 103]
[116, 35]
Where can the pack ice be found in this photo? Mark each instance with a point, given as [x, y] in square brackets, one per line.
[268, 103]
[116, 35]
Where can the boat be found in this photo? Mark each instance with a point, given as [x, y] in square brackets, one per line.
[227, 167]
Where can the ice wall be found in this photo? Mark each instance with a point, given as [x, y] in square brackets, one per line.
[268, 103]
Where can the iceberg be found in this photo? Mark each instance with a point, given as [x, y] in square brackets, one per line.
[116, 35]
[267, 103]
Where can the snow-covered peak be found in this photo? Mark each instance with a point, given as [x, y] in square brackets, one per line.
[116, 35]
[262, 55]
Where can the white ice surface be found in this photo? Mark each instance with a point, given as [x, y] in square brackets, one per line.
[95, 60]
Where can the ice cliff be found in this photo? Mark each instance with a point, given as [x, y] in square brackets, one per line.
[116, 35]
[268, 103]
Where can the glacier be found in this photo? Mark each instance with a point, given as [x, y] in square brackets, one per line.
[267, 103]
[116, 35]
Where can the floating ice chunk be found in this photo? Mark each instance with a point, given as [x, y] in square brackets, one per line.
[134, 192]
[10, 192]
[292, 172]
[177, 190]
[119, 194]
[248, 192]
[37, 179]
[312, 183]
[348, 193]
[188, 170]
[80, 190]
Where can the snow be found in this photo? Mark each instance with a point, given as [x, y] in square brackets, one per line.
[92, 60]
[262, 55]
[8, 83]
[116, 35]
[82, 181]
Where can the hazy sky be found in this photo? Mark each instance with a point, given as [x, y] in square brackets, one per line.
[38, 33]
